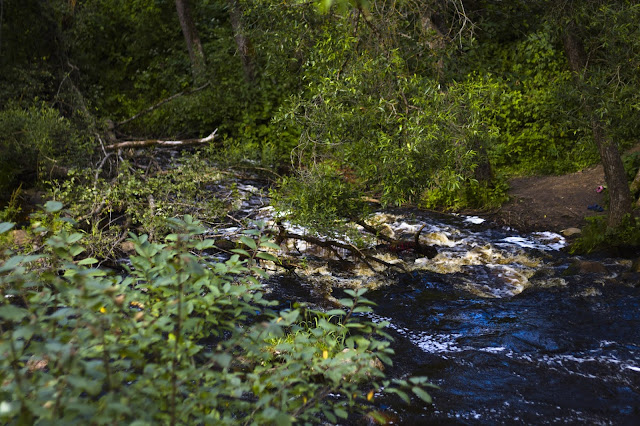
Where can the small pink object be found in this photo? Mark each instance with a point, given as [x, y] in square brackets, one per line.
[600, 189]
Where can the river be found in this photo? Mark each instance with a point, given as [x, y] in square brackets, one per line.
[511, 328]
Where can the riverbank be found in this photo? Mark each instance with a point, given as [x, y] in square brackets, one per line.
[552, 203]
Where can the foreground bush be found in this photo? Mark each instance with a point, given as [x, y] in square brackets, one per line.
[177, 340]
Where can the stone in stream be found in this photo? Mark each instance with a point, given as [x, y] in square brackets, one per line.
[586, 267]
[569, 232]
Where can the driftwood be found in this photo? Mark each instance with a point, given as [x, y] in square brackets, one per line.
[392, 245]
[333, 245]
[400, 245]
[157, 142]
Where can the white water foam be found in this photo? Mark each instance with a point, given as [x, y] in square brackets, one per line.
[474, 219]
[545, 241]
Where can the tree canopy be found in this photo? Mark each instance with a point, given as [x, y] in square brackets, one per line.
[433, 103]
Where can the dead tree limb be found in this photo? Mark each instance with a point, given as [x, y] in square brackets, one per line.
[156, 142]
[162, 102]
[376, 232]
[332, 245]
[399, 245]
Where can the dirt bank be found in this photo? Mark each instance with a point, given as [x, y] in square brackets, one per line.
[552, 203]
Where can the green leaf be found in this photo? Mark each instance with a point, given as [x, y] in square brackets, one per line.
[346, 302]
[266, 256]
[5, 226]
[52, 206]
[401, 394]
[11, 263]
[422, 394]
[339, 312]
[9, 408]
[69, 220]
[241, 252]
[269, 244]
[12, 313]
[223, 359]
[249, 242]
[88, 261]
[206, 244]
[340, 413]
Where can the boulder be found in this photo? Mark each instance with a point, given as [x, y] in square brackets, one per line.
[586, 267]
[569, 232]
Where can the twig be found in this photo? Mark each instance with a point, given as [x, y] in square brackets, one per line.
[99, 168]
[162, 102]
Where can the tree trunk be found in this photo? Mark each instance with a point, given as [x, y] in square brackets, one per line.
[196, 54]
[242, 42]
[614, 173]
[436, 40]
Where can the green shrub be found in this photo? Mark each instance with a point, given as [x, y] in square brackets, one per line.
[36, 143]
[177, 340]
[596, 235]
[320, 198]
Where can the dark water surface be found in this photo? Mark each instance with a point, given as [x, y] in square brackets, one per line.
[546, 356]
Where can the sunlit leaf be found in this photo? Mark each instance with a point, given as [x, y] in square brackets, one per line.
[5, 226]
[52, 206]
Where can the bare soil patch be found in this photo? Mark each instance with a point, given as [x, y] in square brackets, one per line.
[552, 203]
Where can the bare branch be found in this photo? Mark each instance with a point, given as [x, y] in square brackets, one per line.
[156, 142]
[162, 102]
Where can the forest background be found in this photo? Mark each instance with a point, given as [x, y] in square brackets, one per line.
[431, 103]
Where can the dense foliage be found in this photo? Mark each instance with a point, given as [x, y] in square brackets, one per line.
[433, 103]
[179, 339]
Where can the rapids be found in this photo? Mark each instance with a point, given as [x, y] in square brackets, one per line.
[500, 323]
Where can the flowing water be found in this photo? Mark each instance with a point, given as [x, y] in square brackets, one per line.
[512, 329]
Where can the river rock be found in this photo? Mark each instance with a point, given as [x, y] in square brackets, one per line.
[635, 266]
[128, 247]
[19, 237]
[631, 278]
[569, 232]
[586, 267]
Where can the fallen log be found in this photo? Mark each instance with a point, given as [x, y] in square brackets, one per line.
[333, 245]
[396, 246]
[156, 142]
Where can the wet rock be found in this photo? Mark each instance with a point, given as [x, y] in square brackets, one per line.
[128, 247]
[225, 244]
[341, 265]
[631, 278]
[569, 232]
[19, 237]
[590, 292]
[635, 266]
[585, 267]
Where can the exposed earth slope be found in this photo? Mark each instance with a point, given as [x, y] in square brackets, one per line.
[552, 203]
